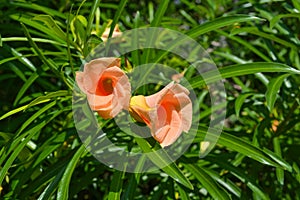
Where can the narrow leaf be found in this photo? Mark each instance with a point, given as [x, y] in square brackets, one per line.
[162, 160]
[51, 24]
[272, 90]
[51, 65]
[246, 44]
[182, 193]
[49, 174]
[160, 13]
[242, 146]
[226, 183]
[157, 19]
[240, 174]
[17, 139]
[240, 101]
[207, 181]
[256, 31]
[277, 149]
[91, 17]
[219, 23]
[26, 85]
[117, 15]
[239, 70]
[116, 185]
[27, 20]
[284, 164]
[63, 187]
[30, 133]
[39, 8]
[276, 18]
[46, 194]
[39, 100]
[21, 58]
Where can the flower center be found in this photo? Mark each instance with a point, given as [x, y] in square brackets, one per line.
[105, 86]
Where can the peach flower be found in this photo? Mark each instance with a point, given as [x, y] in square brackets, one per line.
[177, 77]
[116, 32]
[167, 113]
[107, 87]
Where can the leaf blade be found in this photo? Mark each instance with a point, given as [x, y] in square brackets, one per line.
[63, 187]
[207, 181]
[272, 90]
[239, 70]
[163, 161]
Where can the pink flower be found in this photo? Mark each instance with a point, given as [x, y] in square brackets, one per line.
[107, 87]
[167, 113]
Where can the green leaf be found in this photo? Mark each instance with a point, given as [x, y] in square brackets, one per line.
[48, 191]
[284, 164]
[6, 136]
[277, 149]
[242, 146]
[55, 170]
[183, 194]
[27, 20]
[160, 13]
[49, 96]
[188, 17]
[39, 8]
[239, 70]
[77, 26]
[17, 139]
[16, 70]
[256, 31]
[162, 160]
[129, 191]
[226, 183]
[89, 23]
[40, 155]
[117, 15]
[116, 185]
[42, 40]
[156, 21]
[18, 110]
[21, 58]
[48, 62]
[27, 84]
[240, 174]
[24, 140]
[296, 4]
[63, 187]
[245, 44]
[39, 100]
[51, 24]
[240, 101]
[207, 27]
[276, 18]
[272, 90]
[219, 23]
[207, 181]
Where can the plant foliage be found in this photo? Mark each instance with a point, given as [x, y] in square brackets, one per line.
[255, 45]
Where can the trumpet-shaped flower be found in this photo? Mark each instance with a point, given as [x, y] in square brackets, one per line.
[107, 87]
[167, 113]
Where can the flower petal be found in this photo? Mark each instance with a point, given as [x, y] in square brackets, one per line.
[174, 131]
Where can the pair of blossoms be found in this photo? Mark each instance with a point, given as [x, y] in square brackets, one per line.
[167, 113]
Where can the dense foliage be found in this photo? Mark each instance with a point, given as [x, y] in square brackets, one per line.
[255, 44]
